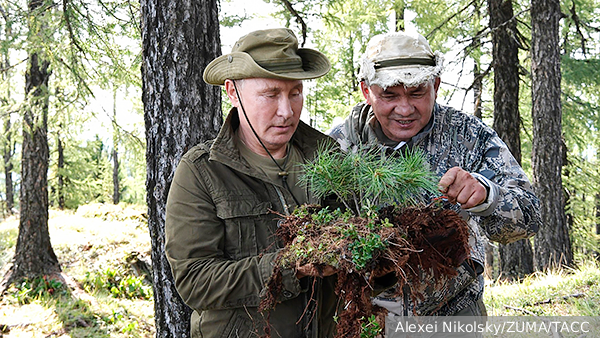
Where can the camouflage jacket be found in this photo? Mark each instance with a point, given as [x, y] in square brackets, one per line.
[511, 211]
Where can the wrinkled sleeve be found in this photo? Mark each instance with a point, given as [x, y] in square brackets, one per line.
[194, 245]
[511, 211]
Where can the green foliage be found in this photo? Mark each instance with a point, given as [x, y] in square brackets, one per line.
[580, 68]
[118, 284]
[323, 216]
[364, 248]
[8, 239]
[558, 292]
[87, 175]
[346, 28]
[226, 20]
[136, 214]
[29, 290]
[370, 328]
[367, 178]
[85, 245]
[336, 227]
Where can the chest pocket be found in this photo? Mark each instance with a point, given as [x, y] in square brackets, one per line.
[249, 225]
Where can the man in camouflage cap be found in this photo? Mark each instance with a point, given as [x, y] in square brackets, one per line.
[400, 77]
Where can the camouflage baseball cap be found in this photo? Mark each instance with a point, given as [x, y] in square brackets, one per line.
[399, 58]
[270, 53]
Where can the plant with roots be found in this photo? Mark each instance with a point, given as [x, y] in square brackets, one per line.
[366, 179]
[384, 227]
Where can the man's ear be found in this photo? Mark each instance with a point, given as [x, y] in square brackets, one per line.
[230, 90]
[365, 91]
[436, 85]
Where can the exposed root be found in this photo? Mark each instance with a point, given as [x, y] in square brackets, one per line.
[426, 239]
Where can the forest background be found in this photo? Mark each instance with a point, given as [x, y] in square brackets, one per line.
[71, 77]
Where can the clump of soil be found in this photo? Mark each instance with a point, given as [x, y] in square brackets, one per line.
[402, 241]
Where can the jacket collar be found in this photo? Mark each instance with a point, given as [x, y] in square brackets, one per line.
[362, 123]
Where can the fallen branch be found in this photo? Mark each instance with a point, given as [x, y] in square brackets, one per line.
[5, 328]
[520, 309]
[550, 300]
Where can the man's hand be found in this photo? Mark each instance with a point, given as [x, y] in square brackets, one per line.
[315, 270]
[460, 186]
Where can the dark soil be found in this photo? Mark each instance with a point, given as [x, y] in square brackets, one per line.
[428, 238]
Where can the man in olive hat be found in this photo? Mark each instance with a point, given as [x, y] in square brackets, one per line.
[400, 77]
[220, 223]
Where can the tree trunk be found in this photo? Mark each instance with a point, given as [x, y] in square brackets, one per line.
[8, 153]
[61, 166]
[115, 153]
[489, 261]
[477, 89]
[598, 223]
[179, 39]
[8, 145]
[516, 259]
[552, 243]
[399, 7]
[477, 75]
[34, 256]
[116, 186]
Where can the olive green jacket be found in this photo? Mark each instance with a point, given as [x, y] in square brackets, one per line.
[221, 246]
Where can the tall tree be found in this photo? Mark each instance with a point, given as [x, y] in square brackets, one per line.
[477, 75]
[34, 255]
[8, 153]
[8, 145]
[552, 243]
[115, 153]
[60, 164]
[516, 259]
[597, 199]
[399, 7]
[179, 38]
[580, 72]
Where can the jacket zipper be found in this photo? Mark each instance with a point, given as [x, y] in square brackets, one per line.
[282, 200]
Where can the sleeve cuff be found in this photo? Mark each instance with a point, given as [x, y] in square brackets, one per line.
[486, 208]
[291, 284]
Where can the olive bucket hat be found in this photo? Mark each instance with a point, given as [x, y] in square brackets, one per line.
[270, 53]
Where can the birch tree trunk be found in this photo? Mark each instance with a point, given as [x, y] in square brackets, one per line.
[552, 243]
[179, 38]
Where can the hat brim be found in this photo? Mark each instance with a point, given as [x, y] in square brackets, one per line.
[240, 65]
[409, 76]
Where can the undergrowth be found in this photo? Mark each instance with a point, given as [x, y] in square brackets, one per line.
[558, 292]
[95, 246]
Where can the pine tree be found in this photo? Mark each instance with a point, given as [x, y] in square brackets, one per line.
[552, 243]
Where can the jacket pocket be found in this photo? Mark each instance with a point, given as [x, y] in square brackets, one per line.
[245, 219]
[238, 327]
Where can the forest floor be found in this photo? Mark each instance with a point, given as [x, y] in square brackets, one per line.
[105, 250]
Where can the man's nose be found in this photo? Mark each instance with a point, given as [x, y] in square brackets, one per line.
[403, 106]
[285, 108]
